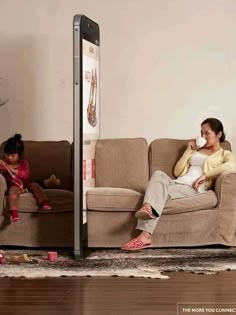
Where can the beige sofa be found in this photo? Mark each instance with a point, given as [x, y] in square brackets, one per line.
[123, 168]
[37, 228]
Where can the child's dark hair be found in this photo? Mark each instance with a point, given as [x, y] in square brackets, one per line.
[215, 125]
[14, 145]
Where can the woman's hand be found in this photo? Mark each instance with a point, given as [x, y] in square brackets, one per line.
[192, 144]
[198, 182]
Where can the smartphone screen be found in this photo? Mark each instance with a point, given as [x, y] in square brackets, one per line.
[91, 121]
[90, 90]
[86, 119]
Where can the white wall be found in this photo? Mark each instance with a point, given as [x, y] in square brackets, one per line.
[165, 66]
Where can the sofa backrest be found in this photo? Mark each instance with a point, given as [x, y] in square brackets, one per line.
[164, 154]
[47, 158]
[122, 163]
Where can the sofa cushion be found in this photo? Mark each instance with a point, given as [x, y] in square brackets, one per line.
[207, 200]
[113, 199]
[164, 154]
[122, 163]
[120, 199]
[47, 158]
[61, 200]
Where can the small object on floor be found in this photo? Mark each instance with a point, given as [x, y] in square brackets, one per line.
[45, 205]
[14, 215]
[20, 259]
[135, 244]
[2, 258]
[52, 256]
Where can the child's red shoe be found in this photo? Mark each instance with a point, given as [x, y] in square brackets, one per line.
[45, 205]
[14, 215]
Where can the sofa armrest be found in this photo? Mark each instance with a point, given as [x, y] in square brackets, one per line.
[3, 188]
[225, 189]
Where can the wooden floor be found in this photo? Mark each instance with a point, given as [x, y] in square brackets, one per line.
[115, 296]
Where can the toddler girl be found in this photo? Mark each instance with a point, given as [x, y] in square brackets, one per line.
[17, 174]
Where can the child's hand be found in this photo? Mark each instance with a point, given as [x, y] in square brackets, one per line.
[12, 169]
[2, 163]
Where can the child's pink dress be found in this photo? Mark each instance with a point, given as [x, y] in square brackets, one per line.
[21, 179]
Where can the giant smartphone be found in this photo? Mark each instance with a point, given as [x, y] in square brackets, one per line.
[86, 42]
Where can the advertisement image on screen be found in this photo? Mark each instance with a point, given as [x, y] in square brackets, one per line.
[90, 90]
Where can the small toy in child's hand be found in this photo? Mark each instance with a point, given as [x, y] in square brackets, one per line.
[2, 164]
[14, 179]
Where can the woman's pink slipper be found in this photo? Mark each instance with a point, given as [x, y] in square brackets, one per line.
[135, 244]
[145, 213]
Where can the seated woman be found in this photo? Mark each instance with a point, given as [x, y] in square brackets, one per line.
[195, 171]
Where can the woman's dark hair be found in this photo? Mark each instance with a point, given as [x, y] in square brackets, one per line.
[14, 145]
[216, 126]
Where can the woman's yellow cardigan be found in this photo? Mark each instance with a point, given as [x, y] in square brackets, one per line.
[215, 164]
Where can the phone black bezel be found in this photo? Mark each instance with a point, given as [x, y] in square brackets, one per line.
[88, 30]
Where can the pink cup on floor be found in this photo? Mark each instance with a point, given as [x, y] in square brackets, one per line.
[2, 260]
[52, 256]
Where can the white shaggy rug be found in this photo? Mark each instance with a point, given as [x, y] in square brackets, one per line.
[149, 263]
